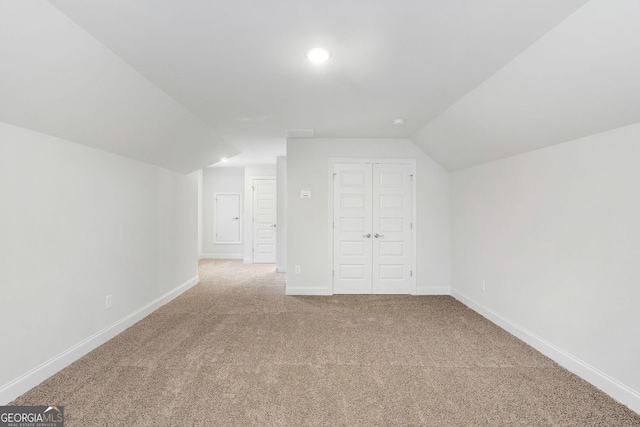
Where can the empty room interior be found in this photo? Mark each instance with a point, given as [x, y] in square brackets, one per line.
[486, 153]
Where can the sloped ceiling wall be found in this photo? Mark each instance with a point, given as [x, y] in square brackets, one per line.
[240, 67]
[580, 79]
[57, 79]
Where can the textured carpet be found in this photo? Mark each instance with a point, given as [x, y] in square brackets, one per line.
[234, 351]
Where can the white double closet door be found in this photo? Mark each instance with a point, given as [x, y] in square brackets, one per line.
[373, 228]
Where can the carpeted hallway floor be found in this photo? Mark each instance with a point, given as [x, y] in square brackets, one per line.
[234, 351]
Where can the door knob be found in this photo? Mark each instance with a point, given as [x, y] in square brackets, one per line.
[235, 218]
[273, 225]
[378, 235]
[367, 236]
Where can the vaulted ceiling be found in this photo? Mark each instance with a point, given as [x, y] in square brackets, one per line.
[181, 84]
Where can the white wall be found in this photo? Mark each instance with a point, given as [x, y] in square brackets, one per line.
[555, 234]
[78, 224]
[307, 219]
[281, 221]
[219, 180]
[200, 210]
[250, 172]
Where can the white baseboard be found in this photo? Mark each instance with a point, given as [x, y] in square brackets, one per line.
[423, 290]
[307, 291]
[27, 381]
[428, 290]
[221, 256]
[614, 388]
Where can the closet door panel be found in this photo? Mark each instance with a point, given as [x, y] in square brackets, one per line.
[392, 213]
[352, 223]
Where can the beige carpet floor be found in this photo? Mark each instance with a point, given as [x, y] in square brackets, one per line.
[235, 351]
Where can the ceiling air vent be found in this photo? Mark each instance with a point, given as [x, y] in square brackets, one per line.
[299, 133]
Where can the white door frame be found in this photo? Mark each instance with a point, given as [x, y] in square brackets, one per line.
[412, 162]
[251, 209]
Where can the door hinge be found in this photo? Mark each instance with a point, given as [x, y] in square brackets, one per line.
[412, 226]
[334, 175]
[410, 273]
[411, 178]
[253, 188]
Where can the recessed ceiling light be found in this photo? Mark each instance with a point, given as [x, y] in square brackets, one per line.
[398, 122]
[224, 159]
[318, 55]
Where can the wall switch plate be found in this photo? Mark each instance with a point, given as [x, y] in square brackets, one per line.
[108, 301]
[297, 269]
[305, 194]
[483, 285]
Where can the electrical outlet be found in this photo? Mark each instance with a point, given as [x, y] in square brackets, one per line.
[483, 285]
[108, 302]
[297, 269]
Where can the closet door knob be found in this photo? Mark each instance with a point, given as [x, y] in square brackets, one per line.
[378, 235]
[367, 236]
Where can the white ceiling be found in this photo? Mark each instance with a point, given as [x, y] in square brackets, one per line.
[58, 80]
[581, 78]
[181, 83]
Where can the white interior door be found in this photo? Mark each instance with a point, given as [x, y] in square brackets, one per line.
[392, 228]
[372, 228]
[227, 221]
[352, 243]
[264, 220]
